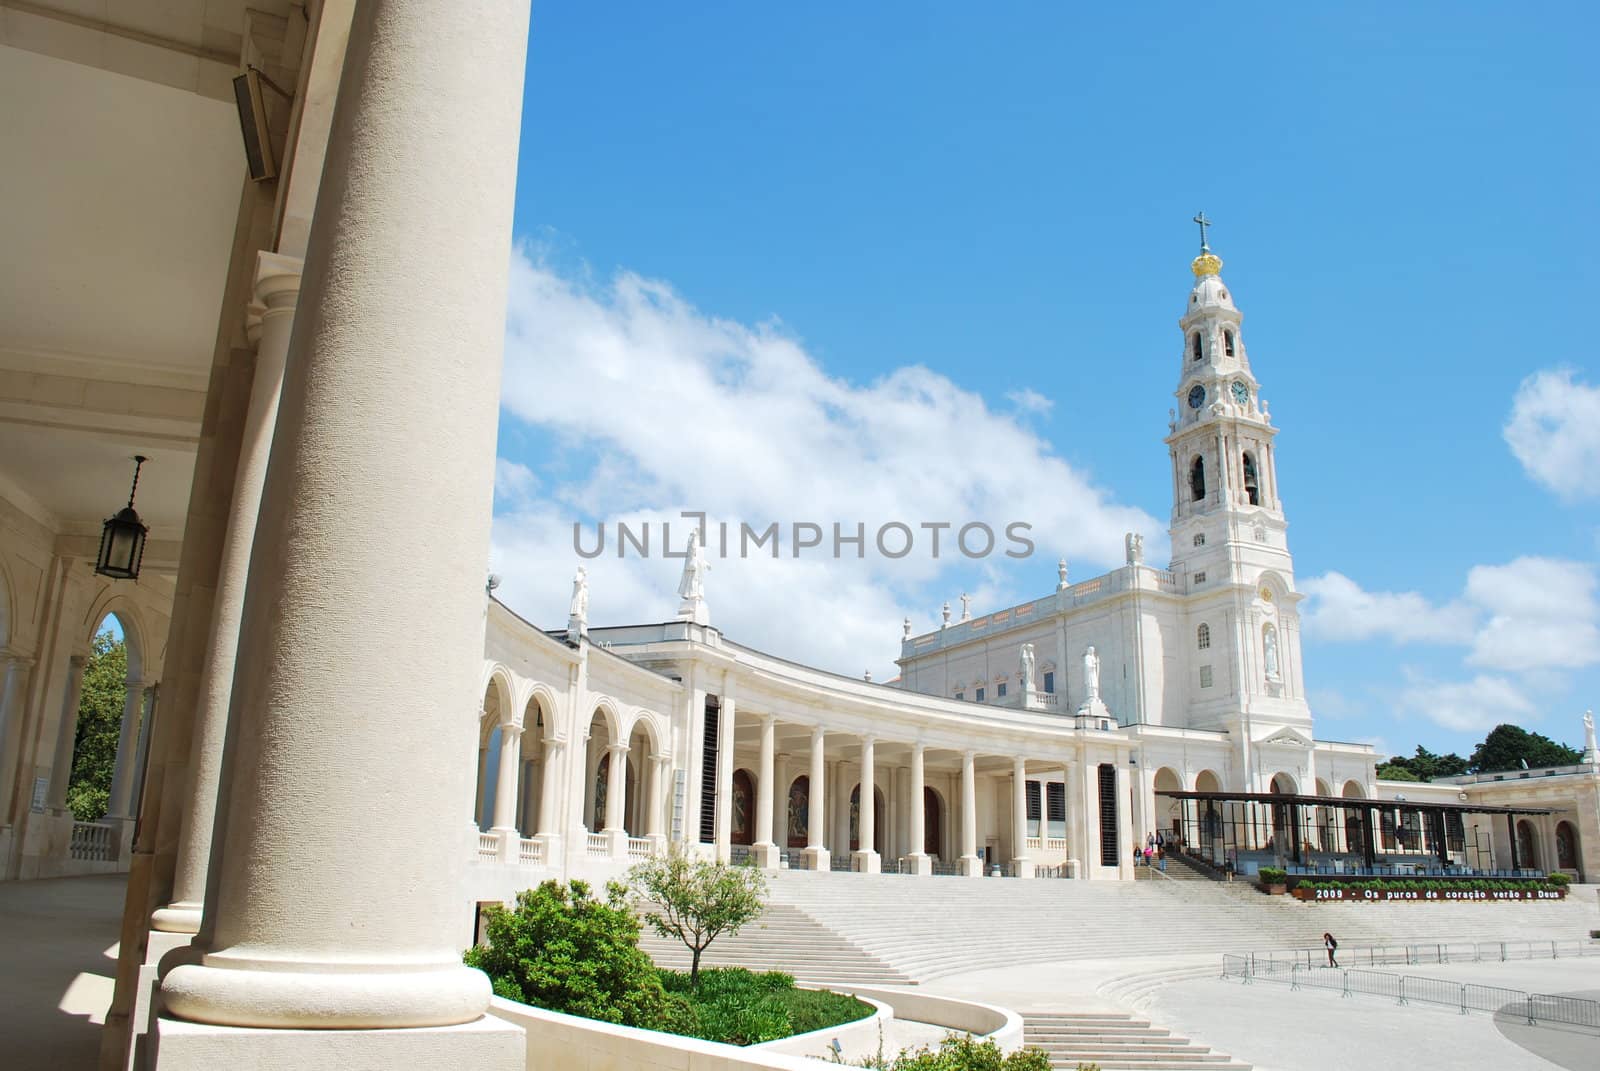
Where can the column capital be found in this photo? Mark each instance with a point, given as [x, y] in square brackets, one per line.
[510, 728]
[276, 284]
[618, 747]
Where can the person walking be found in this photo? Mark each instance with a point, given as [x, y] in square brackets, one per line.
[1161, 857]
[1147, 854]
[1332, 946]
[1138, 853]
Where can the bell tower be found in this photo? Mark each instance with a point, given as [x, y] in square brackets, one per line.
[1224, 473]
[1230, 551]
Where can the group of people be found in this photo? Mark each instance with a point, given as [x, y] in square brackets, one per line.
[1153, 852]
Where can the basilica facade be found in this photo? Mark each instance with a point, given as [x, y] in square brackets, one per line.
[1043, 738]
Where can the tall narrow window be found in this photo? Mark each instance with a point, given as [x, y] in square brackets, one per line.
[977, 696]
[1252, 486]
[1197, 479]
[1203, 637]
[1227, 343]
[708, 771]
[1049, 682]
[1196, 346]
[1110, 843]
[1000, 690]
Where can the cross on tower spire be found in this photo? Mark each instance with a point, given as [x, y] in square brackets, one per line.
[1204, 223]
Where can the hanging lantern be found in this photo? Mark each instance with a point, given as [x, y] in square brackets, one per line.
[122, 541]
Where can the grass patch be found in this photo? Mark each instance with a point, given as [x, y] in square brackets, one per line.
[741, 1007]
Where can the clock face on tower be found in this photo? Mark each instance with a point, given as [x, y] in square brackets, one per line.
[1241, 394]
[1197, 396]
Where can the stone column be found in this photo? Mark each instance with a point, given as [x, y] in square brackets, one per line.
[549, 791]
[376, 508]
[13, 689]
[866, 859]
[919, 861]
[505, 792]
[816, 853]
[1087, 779]
[616, 799]
[277, 290]
[1125, 828]
[659, 800]
[66, 735]
[971, 865]
[766, 850]
[120, 805]
[724, 827]
[1021, 864]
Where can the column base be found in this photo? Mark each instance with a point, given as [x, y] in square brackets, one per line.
[917, 863]
[550, 849]
[244, 992]
[1022, 868]
[181, 916]
[1074, 869]
[617, 843]
[766, 856]
[487, 1044]
[866, 862]
[971, 866]
[510, 847]
[817, 858]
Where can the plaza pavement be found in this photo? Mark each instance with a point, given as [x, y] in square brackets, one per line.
[58, 962]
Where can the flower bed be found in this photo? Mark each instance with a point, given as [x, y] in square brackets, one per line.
[1431, 889]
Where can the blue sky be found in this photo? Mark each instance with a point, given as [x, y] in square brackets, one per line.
[902, 261]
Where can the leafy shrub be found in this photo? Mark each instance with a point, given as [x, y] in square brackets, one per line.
[963, 1052]
[1560, 880]
[563, 950]
[1272, 875]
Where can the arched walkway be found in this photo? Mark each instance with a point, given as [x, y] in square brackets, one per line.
[1169, 812]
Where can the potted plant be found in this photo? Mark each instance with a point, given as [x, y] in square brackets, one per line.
[1274, 880]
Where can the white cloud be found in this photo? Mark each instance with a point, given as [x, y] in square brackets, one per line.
[1339, 609]
[514, 483]
[1554, 431]
[655, 407]
[1028, 400]
[1542, 615]
[1467, 706]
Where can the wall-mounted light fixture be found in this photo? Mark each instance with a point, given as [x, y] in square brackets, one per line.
[253, 122]
[122, 538]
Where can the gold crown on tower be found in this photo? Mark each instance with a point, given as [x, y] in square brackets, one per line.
[1207, 263]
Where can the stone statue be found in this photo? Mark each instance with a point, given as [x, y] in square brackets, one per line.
[692, 586]
[1172, 420]
[579, 610]
[1091, 673]
[867, 676]
[907, 627]
[1025, 667]
[1591, 753]
[966, 607]
[946, 615]
[1061, 573]
[1134, 544]
[1269, 643]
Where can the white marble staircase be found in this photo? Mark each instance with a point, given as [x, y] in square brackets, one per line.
[1115, 1042]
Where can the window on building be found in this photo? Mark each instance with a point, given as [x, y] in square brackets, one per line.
[1200, 577]
[1034, 811]
[1055, 810]
[1252, 488]
[1199, 539]
[1227, 343]
[961, 696]
[1196, 347]
[1203, 637]
[1000, 690]
[1197, 479]
[1205, 676]
[977, 696]
[1049, 682]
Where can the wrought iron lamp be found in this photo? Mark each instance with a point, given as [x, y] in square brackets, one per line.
[122, 539]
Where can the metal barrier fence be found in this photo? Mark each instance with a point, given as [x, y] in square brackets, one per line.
[1435, 952]
[1536, 1008]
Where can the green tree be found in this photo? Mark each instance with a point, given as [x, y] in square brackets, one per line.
[562, 949]
[1507, 747]
[697, 901]
[94, 751]
[1424, 766]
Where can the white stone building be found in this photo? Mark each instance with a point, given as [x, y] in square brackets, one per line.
[294, 804]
